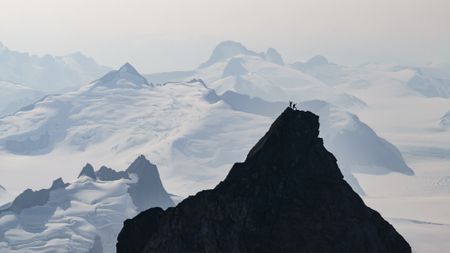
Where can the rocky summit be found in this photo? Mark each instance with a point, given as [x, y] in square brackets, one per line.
[287, 196]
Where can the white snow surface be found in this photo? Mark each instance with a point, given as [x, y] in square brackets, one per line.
[15, 96]
[71, 220]
[264, 79]
[193, 142]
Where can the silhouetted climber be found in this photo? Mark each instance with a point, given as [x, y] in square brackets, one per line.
[290, 104]
[294, 106]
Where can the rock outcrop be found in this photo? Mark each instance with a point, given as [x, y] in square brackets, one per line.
[88, 171]
[287, 196]
[149, 189]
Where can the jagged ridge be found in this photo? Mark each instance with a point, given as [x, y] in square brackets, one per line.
[288, 196]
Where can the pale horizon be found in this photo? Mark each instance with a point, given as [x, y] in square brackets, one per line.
[141, 32]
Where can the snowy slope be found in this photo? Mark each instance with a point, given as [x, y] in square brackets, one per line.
[83, 216]
[430, 83]
[15, 96]
[182, 127]
[192, 134]
[48, 73]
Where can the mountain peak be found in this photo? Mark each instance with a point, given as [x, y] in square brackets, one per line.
[293, 134]
[287, 196]
[140, 163]
[108, 174]
[231, 46]
[57, 184]
[273, 56]
[88, 171]
[128, 68]
[125, 76]
[225, 50]
[318, 60]
[149, 189]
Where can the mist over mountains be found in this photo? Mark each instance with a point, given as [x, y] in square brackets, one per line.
[195, 124]
[48, 73]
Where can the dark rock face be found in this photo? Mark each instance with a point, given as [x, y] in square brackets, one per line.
[288, 196]
[358, 145]
[108, 174]
[30, 198]
[148, 191]
[88, 170]
[349, 146]
[58, 184]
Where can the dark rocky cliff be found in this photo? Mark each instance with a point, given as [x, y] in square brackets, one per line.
[288, 196]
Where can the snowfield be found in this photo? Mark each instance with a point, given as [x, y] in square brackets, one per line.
[15, 96]
[177, 125]
[193, 134]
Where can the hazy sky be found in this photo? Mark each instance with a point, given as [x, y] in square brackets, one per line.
[163, 35]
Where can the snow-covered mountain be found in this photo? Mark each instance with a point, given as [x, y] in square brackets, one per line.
[182, 127]
[15, 96]
[319, 67]
[84, 215]
[429, 83]
[233, 67]
[50, 74]
[192, 133]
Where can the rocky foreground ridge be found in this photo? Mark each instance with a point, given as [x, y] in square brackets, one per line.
[287, 196]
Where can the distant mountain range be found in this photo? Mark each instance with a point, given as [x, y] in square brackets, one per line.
[50, 74]
[232, 66]
[179, 125]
